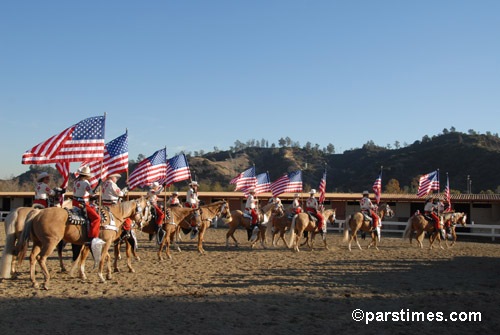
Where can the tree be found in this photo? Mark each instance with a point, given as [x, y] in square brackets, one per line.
[445, 131]
[452, 129]
[288, 141]
[472, 132]
[281, 142]
[330, 148]
[308, 145]
[393, 186]
[397, 145]
[426, 138]
[140, 158]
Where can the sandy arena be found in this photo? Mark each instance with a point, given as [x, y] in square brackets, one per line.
[272, 291]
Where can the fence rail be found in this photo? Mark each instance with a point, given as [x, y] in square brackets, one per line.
[481, 230]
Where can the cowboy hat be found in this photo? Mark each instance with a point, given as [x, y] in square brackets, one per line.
[42, 176]
[366, 192]
[155, 185]
[117, 175]
[84, 171]
[296, 195]
[252, 190]
[175, 193]
[313, 191]
[194, 183]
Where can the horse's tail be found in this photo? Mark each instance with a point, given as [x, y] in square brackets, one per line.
[22, 243]
[10, 240]
[346, 228]
[292, 230]
[408, 228]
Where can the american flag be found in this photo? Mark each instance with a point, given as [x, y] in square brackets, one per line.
[245, 180]
[149, 170]
[322, 187]
[291, 182]
[80, 142]
[427, 183]
[377, 187]
[447, 192]
[177, 170]
[63, 169]
[115, 160]
[262, 186]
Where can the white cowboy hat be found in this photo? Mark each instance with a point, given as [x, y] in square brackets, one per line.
[155, 185]
[252, 190]
[313, 191]
[117, 175]
[42, 176]
[366, 192]
[296, 195]
[175, 193]
[194, 183]
[84, 171]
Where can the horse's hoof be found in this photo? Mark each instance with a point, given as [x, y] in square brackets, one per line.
[35, 285]
[169, 256]
[131, 270]
[119, 257]
[178, 249]
[45, 287]
[116, 270]
[109, 277]
[137, 258]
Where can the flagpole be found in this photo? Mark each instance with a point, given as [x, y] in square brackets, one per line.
[128, 194]
[102, 163]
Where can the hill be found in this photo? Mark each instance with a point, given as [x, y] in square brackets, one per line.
[459, 154]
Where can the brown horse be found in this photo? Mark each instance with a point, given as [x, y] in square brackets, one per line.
[207, 214]
[421, 225]
[302, 222]
[280, 224]
[239, 220]
[50, 226]
[454, 218]
[358, 221]
[14, 224]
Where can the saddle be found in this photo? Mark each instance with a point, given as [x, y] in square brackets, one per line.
[77, 216]
[312, 217]
[367, 217]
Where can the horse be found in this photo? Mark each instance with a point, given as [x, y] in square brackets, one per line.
[50, 226]
[420, 224]
[240, 220]
[14, 224]
[358, 221]
[173, 216]
[302, 222]
[207, 214]
[280, 224]
[453, 219]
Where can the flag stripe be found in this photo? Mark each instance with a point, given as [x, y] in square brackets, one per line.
[322, 187]
[427, 183]
[149, 170]
[291, 182]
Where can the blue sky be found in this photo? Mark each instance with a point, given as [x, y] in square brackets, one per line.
[194, 75]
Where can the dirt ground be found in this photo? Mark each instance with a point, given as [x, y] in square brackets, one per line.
[265, 291]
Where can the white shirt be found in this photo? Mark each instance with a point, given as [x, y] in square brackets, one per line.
[311, 202]
[429, 207]
[82, 189]
[295, 203]
[365, 204]
[42, 191]
[152, 194]
[192, 197]
[111, 192]
[173, 201]
[251, 202]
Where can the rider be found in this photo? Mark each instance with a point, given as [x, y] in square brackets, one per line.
[312, 208]
[192, 201]
[367, 208]
[250, 207]
[296, 206]
[81, 196]
[152, 196]
[431, 206]
[173, 201]
[43, 191]
[111, 193]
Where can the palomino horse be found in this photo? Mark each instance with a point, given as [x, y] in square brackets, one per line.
[280, 224]
[50, 226]
[453, 219]
[240, 220]
[421, 225]
[14, 224]
[208, 214]
[302, 222]
[357, 222]
[173, 216]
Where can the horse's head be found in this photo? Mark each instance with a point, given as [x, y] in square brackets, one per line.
[330, 215]
[385, 210]
[461, 218]
[278, 209]
[225, 212]
[142, 211]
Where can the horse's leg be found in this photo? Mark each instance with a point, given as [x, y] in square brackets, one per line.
[176, 239]
[105, 257]
[454, 235]
[169, 234]
[263, 237]
[35, 251]
[355, 234]
[282, 236]
[45, 252]
[350, 240]
[117, 255]
[84, 254]
[128, 251]
[201, 234]
[230, 233]
[60, 247]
